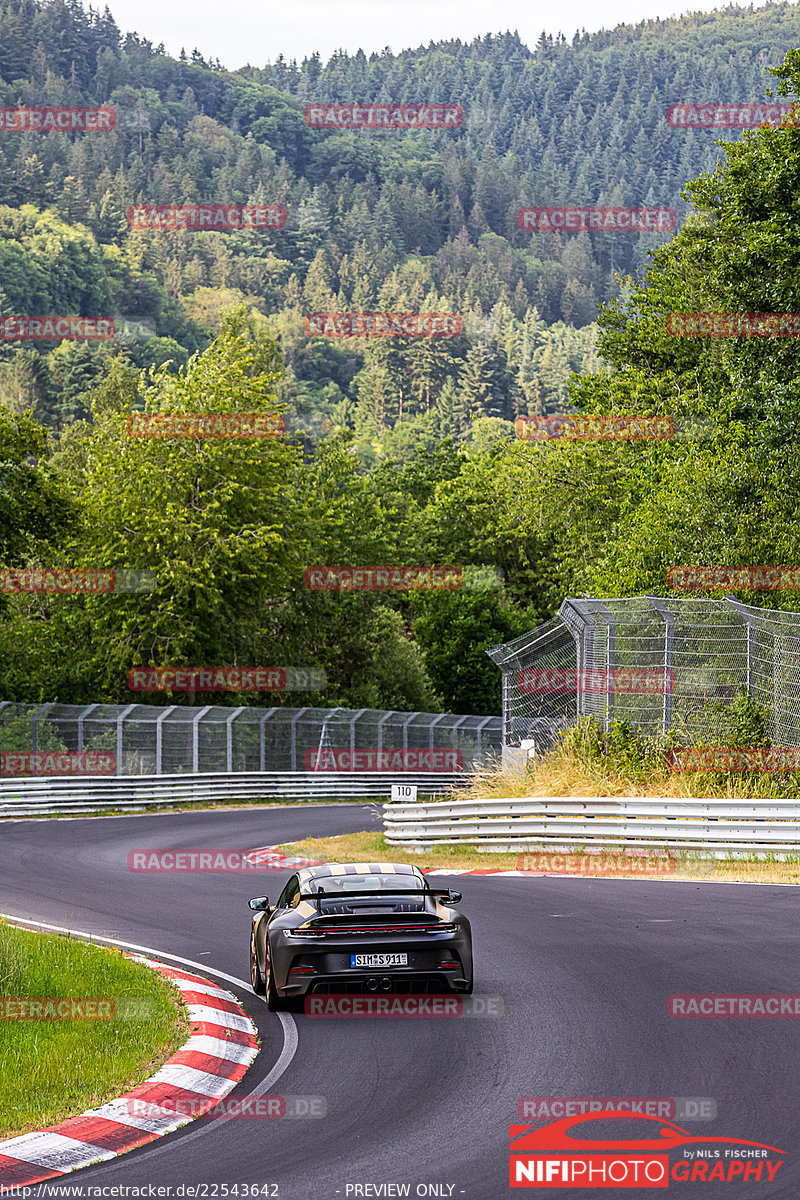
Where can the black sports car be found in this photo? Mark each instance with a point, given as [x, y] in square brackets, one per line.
[359, 927]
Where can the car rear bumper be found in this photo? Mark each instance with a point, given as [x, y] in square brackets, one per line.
[381, 982]
[441, 963]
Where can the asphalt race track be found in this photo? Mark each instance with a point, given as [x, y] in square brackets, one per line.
[584, 968]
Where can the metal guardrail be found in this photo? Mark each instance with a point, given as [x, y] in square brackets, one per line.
[43, 797]
[663, 821]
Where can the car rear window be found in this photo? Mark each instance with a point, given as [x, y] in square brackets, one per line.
[368, 883]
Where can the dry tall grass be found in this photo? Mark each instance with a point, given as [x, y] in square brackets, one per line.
[583, 763]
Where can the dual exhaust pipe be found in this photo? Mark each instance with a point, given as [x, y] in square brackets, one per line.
[383, 985]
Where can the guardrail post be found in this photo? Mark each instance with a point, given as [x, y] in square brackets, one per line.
[82, 715]
[669, 645]
[196, 737]
[120, 719]
[479, 740]
[293, 725]
[406, 724]
[611, 659]
[744, 612]
[35, 733]
[569, 611]
[4, 704]
[385, 717]
[431, 728]
[159, 732]
[262, 755]
[324, 736]
[353, 720]
[229, 738]
[456, 728]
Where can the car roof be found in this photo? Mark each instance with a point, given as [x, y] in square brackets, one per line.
[310, 874]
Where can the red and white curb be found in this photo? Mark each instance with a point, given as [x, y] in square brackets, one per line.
[280, 861]
[481, 871]
[500, 872]
[277, 858]
[207, 1067]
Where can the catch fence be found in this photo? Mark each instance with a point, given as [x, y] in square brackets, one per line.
[147, 740]
[660, 664]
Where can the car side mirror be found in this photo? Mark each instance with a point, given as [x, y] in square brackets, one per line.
[453, 897]
[259, 903]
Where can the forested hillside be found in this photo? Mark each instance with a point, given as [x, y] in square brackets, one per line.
[397, 450]
[386, 220]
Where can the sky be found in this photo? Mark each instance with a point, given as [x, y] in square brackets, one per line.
[241, 31]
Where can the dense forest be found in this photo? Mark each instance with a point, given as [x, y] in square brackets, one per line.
[386, 220]
[396, 450]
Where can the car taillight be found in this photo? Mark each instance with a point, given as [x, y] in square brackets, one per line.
[350, 930]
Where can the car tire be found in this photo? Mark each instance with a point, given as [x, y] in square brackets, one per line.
[255, 971]
[275, 1002]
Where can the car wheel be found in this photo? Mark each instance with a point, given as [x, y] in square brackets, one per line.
[275, 1002]
[255, 973]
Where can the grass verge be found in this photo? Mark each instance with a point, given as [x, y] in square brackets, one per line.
[54, 1069]
[372, 847]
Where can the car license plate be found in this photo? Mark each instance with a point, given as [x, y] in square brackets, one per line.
[378, 960]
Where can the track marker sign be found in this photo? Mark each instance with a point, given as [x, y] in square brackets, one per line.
[404, 793]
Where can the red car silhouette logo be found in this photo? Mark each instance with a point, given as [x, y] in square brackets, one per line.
[557, 1136]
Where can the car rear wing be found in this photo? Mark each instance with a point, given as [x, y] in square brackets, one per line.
[318, 897]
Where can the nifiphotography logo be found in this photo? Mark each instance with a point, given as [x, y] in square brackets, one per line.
[603, 1150]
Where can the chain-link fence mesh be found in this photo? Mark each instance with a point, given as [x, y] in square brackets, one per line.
[537, 715]
[659, 664]
[143, 739]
